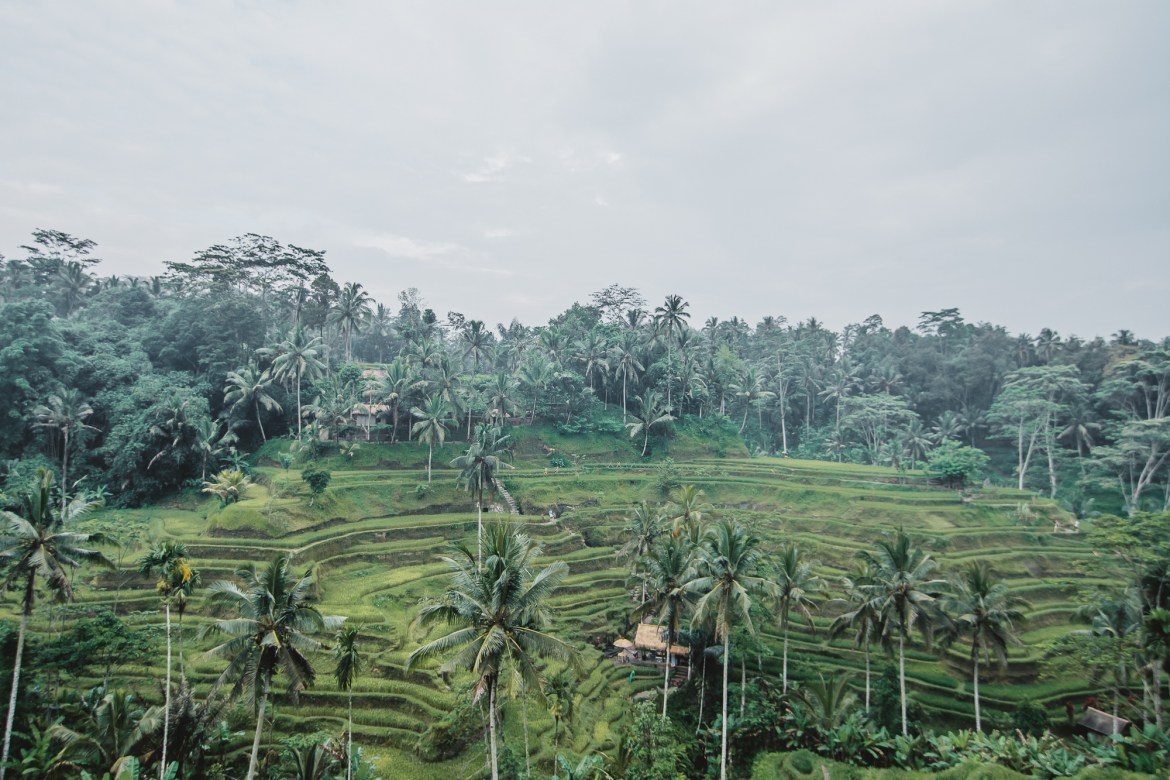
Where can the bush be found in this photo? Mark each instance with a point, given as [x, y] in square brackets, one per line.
[317, 479]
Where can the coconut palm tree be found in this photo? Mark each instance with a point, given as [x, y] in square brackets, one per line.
[347, 654]
[433, 418]
[478, 467]
[350, 312]
[728, 579]
[169, 561]
[501, 397]
[904, 595]
[688, 522]
[827, 701]
[862, 617]
[536, 373]
[626, 363]
[394, 390]
[670, 319]
[498, 613]
[669, 567]
[477, 342]
[65, 412]
[36, 544]
[270, 634]
[750, 387]
[296, 359]
[592, 352]
[650, 415]
[642, 528]
[247, 390]
[982, 608]
[795, 584]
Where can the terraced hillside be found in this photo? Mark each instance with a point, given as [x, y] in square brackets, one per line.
[374, 540]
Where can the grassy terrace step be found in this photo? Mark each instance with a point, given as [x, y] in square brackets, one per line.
[375, 540]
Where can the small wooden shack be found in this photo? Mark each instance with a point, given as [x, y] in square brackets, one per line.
[1095, 723]
[650, 642]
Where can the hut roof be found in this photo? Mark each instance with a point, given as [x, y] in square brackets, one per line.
[652, 637]
[1102, 722]
[622, 642]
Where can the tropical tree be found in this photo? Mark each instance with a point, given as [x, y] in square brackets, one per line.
[669, 567]
[501, 397]
[229, 485]
[270, 634]
[111, 727]
[982, 608]
[728, 578]
[394, 389]
[750, 387]
[650, 415]
[536, 374]
[247, 390]
[498, 613]
[296, 359]
[66, 413]
[827, 702]
[691, 512]
[643, 526]
[795, 583]
[904, 596]
[433, 418]
[478, 467]
[477, 342]
[670, 319]
[347, 654]
[169, 561]
[626, 363]
[350, 312]
[36, 543]
[862, 616]
[586, 768]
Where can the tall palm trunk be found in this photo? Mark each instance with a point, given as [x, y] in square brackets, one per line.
[492, 728]
[742, 685]
[64, 471]
[623, 399]
[349, 740]
[524, 712]
[726, 669]
[867, 675]
[702, 692]
[479, 527]
[162, 767]
[666, 677]
[298, 404]
[261, 424]
[902, 679]
[430, 454]
[24, 615]
[975, 680]
[259, 727]
[784, 675]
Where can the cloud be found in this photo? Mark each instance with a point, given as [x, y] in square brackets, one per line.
[498, 233]
[404, 246]
[494, 167]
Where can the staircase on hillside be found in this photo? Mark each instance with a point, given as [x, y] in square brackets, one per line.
[511, 502]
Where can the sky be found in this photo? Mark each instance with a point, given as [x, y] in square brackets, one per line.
[829, 159]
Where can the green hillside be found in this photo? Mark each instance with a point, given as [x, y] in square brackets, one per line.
[375, 536]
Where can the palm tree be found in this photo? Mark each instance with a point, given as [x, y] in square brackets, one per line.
[271, 634]
[728, 578]
[501, 401]
[347, 654]
[66, 412]
[642, 528]
[169, 561]
[795, 583]
[498, 613]
[625, 363]
[229, 485]
[477, 342]
[691, 510]
[904, 596]
[650, 415]
[248, 387]
[916, 442]
[669, 567]
[536, 373]
[477, 470]
[296, 359]
[585, 769]
[863, 617]
[982, 608]
[827, 701]
[112, 727]
[394, 389]
[670, 319]
[592, 352]
[433, 418]
[750, 387]
[351, 311]
[36, 543]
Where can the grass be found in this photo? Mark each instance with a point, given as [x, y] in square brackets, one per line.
[375, 537]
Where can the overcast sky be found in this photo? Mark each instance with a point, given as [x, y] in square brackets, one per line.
[801, 159]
